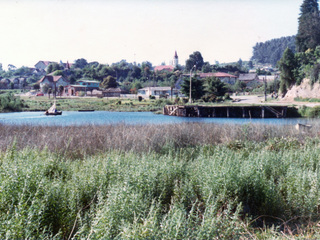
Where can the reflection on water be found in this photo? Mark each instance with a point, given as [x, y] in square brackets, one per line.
[102, 117]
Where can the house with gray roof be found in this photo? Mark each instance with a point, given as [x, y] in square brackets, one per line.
[52, 82]
[43, 65]
[250, 79]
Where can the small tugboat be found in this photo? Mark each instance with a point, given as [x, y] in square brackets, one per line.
[52, 111]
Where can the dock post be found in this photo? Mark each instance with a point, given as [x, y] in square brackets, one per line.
[227, 112]
[184, 112]
[284, 112]
[262, 112]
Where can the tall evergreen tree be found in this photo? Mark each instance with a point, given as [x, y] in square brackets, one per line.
[287, 64]
[215, 87]
[197, 88]
[195, 59]
[308, 35]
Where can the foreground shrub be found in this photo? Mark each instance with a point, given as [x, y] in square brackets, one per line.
[207, 192]
[314, 112]
[10, 103]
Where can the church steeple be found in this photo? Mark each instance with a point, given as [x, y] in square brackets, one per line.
[175, 59]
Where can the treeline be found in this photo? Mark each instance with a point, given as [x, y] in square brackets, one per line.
[128, 76]
[132, 76]
[23, 71]
[270, 52]
[305, 62]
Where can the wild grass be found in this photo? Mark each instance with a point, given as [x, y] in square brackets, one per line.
[98, 104]
[189, 181]
[92, 139]
[299, 99]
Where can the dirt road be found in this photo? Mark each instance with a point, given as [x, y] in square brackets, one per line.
[260, 99]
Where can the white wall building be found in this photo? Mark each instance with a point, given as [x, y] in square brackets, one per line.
[157, 91]
[52, 82]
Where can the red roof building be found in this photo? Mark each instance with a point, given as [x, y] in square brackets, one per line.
[224, 77]
[161, 68]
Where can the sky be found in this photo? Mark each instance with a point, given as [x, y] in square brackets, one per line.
[109, 31]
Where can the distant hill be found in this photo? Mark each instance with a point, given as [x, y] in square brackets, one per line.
[270, 52]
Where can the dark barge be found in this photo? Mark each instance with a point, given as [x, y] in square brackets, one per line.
[226, 111]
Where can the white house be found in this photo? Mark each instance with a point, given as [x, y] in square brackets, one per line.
[53, 82]
[157, 91]
[42, 65]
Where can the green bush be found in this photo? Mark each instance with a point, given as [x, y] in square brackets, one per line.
[309, 112]
[10, 103]
[314, 112]
[162, 102]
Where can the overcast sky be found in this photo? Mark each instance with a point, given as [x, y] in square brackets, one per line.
[108, 31]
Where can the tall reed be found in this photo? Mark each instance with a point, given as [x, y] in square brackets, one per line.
[188, 181]
[78, 141]
[220, 191]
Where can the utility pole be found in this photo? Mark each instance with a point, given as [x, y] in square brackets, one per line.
[265, 88]
[190, 100]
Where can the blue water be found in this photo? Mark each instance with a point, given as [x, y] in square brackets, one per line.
[103, 117]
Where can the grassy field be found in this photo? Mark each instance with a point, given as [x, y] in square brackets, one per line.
[188, 181]
[133, 105]
[98, 104]
[34, 103]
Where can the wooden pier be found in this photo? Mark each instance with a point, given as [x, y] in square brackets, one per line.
[226, 111]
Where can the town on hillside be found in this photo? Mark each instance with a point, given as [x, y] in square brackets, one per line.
[82, 78]
[276, 66]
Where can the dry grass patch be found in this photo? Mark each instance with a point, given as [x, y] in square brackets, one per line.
[79, 141]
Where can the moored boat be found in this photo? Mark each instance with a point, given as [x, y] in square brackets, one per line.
[53, 114]
[52, 111]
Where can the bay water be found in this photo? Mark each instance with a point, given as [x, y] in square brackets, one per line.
[103, 117]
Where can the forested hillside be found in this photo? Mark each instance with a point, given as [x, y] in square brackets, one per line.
[270, 52]
[305, 62]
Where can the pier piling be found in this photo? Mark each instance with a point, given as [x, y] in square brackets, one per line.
[226, 111]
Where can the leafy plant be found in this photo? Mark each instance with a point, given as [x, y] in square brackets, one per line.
[8, 103]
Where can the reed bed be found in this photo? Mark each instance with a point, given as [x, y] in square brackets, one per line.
[233, 191]
[188, 181]
[77, 141]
